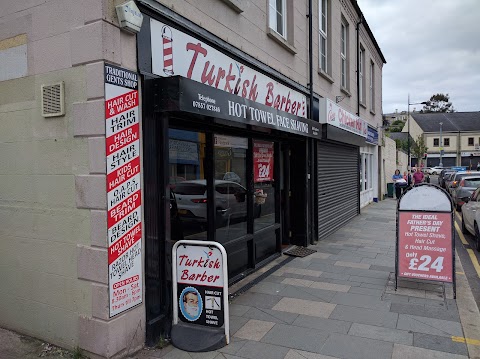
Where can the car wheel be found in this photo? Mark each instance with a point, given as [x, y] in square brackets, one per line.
[464, 229]
[434, 173]
[477, 238]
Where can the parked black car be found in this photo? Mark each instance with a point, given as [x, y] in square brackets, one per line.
[443, 176]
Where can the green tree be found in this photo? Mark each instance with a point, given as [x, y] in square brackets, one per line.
[397, 126]
[438, 103]
[402, 144]
[419, 148]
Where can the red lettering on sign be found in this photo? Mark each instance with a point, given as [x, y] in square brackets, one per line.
[123, 174]
[122, 139]
[121, 103]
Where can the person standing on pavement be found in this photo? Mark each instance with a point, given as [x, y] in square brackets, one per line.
[418, 177]
[407, 177]
[396, 180]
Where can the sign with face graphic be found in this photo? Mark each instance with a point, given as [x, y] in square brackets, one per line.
[200, 283]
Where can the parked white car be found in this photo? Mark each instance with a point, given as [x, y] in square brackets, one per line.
[191, 197]
[435, 170]
[471, 217]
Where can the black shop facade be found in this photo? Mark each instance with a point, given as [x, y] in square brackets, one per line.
[226, 156]
[229, 155]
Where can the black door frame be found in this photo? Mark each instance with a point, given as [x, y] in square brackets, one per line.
[158, 244]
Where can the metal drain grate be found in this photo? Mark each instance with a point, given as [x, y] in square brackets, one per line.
[299, 251]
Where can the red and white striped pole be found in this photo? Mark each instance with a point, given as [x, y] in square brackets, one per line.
[167, 51]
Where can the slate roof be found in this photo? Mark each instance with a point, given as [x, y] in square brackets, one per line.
[398, 135]
[452, 122]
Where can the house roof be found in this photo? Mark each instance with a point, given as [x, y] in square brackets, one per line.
[398, 135]
[451, 122]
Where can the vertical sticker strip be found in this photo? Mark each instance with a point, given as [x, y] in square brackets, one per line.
[124, 202]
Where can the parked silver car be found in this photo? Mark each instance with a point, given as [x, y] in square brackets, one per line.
[457, 177]
[471, 217]
[463, 190]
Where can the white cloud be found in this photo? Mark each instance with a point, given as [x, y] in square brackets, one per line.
[430, 47]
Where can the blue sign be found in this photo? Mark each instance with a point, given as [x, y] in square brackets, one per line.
[372, 136]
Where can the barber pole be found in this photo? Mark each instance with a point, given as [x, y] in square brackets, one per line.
[167, 51]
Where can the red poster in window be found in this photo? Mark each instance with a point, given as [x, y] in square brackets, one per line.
[425, 246]
[262, 161]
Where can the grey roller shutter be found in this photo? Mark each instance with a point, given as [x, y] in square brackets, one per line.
[338, 181]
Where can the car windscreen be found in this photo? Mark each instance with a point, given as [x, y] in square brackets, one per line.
[472, 182]
[190, 188]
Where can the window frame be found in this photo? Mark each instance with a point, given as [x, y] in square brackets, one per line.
[361, 74]
[472, 141]
[372, 86]
[272, 4]
[343, 54]
[323, 23]
[446, 142]
[437, 140]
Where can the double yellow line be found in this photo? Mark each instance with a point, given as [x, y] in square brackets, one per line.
[470, 252]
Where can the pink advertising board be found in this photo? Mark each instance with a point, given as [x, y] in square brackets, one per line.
[425, 246]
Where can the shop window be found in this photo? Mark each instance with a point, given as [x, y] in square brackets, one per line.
[188, 186]
[230, 159]
[366, 171]
[264, 191]
[470, 141]
[446, 142]
[436, 142]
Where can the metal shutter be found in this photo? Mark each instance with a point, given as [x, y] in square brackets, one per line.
[338, 181]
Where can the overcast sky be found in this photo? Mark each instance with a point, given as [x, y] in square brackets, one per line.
[431, 46]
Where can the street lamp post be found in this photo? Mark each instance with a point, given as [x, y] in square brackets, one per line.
[408, 130]
[441, 146]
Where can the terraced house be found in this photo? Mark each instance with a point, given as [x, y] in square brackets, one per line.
[128, 126]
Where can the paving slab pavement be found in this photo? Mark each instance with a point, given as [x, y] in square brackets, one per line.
[340, 303]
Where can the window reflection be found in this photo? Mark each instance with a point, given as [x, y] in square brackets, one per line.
[188, 186]
[230, 187]
[263, 163]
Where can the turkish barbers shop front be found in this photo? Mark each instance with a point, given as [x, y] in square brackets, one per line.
[226, 154]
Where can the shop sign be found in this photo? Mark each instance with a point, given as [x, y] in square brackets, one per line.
[200, 284]
[176, 53]
[334, 115]
[191, 96]
[262, 161]
[425, 239]
[229, 141]
[372, 136]
[468, 154]
[124, 197]
[184, 151]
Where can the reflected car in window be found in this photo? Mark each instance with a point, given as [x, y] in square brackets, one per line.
[230, 201]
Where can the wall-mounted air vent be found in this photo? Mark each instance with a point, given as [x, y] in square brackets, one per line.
[52, 100]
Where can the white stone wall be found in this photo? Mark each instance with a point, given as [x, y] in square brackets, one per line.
[389, 157]
[53, 256]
